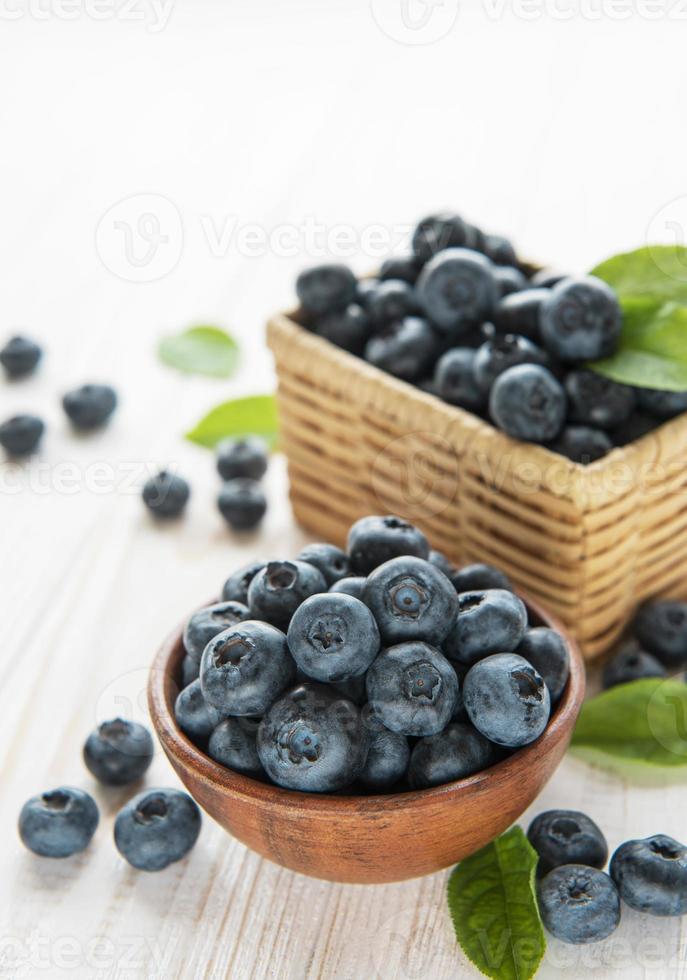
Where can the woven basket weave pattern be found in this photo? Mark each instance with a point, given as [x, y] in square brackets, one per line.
[590, 542]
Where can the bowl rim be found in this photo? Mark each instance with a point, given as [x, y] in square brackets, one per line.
[163, 688]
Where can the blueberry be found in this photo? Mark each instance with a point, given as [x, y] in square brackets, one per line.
[333, 637]
[412, 689]
[582, 444]
[548, 653]
[497, 355]
[662, 404]
[598, 401]
[118, 752]
[374, 540]
[242, 503]
[489, 621]
[500, 250]
[234, 744]
[580, 320]
[350, 585]
[236, 586]
[279, 588]
[326, 288]
[405, 267]
[457, 290]
[455, 753]
[20, 435]
[637, 426]
[392, 300]
[330, 560]
[411, 599]
[190, 670]
[157, 828]
[578, 904]
[242, 457]
[90, 406]
[437, 232]
[387, 760]
[440, 561]
[509, 280]
[58, 823]
[507, 700]
[566, 837]
[651, 875]
[407, 349]
[20, 356]
[478, 577]
[207, 622]
[454, 379]
[365, 289]
[194, 715]
[661, 628]
[348, 328]
[166, 494]
[548, 278]
[245, 668]
[527, 403]
[312, 740]
[519, 312]
[631, 664]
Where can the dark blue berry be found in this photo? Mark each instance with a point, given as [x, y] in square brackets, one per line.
[509, 280]
[194, 715]
[507, 700]
[457, 290]
[578, 904]
[582, 444]
[348, 328]
[326, 288]
[330, 560]
[489, 621]
[440, 561]
[157, 828]
[455, 382]
[234, 744]
[501, 251]
[637, 426]
[242, 457]
[548, 653]
[242, 504]
[333, 637]
[631, 664]
[166, 494]
[207, 622]
[566, 837]
[662, 404]
[455, 753]
[365, 289]
[497, 355]
[519, 312]
[387, 760]
[412, 689]
[20, 435]
[190, 670]
[411, 599]
[312, 740]
[478, 577]
[59, 823]
[90, 406]
[393, 299]
[406, 349]
[651, 875]
[280, 587]
[374, 540]
[580, 320]
[661, 628]
[598, 401]
[548, 278]
[236, 586]
[437, 232]
[350, 585]
[20, 357]
[405, 267]
[118, 752]
[528, 403]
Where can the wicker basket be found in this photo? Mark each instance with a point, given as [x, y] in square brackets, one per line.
[589, 541]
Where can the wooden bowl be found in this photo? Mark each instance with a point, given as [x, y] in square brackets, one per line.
[366, 839]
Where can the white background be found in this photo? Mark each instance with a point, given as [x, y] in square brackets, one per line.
[559, 123]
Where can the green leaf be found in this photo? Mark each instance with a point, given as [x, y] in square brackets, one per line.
[637, 725]
[493, 905]
[658, 272]
[254, 415]
[201, 350]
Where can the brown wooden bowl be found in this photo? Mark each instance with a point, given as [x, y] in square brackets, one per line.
[366, 839]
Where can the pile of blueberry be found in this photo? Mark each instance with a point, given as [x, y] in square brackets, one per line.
[579, 902]
[88, 407]
[378, 668]
[463, 318]
[154, 829]
[656, 645]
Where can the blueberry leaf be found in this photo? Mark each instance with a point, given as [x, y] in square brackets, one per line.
[254, 415]
[656, 272]
[493, 905]
[201, 350]
[634, 726]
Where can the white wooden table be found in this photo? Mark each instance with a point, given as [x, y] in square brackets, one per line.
[225, 123]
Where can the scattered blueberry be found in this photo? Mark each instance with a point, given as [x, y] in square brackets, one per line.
[348, 328]
[392, 300]
[566, 837]
[651, 875]
[374, 540]
[242, 458]
[166, 494]
[456, 752]
[497, 355]
[548, 653]
[118, 752]
[242, 503]
[58, 823]
[350, 585]
[90, 406]
[631, 664]
[236, 586]
[157, 828]
[411, 599]
[20, 435]
[438, 232]
[406, 348]
[194, 715]
[326, 288]
[412, 689]
[20, 357]
[506, 699]
[455, 382]
[333, 637]
[661, 628]
[489, 621]
[528, 403]
[519, 313]
[234, 744]
[478, 577]
[280, 587]
[330, 560]
[578, 904]
[457, 289]
[597, 401]
[207, 622]
[580, 320]
[387, 760]
[582, 444]
[662, 404]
